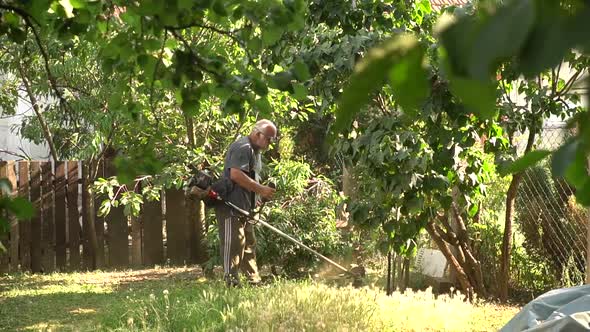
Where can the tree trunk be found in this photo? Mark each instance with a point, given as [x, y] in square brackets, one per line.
[507, 238]
[201, 232]
[473, 266]
[466, 286]
[44, 127]
[504, 277]
[90, 218]
[406, 275]
[196, 210]
[190, 131]
[388, 291]
[136, 241]
[400, 271]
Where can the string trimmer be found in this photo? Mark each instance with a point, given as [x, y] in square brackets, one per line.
[204, 182]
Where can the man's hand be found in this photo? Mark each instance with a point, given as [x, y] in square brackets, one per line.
[267, 192]
[198, 192]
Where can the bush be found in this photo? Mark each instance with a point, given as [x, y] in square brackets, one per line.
[307, 211]
[550, 221]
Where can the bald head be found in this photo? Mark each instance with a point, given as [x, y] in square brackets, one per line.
[263, 126]
[263, 133]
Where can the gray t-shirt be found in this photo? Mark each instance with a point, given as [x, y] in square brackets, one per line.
[241, 155]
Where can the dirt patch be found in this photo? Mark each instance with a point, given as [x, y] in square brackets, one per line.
[122, 278]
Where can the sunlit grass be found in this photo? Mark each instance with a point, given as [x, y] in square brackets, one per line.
[178, 300]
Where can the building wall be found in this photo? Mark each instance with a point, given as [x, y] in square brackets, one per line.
[11, 141]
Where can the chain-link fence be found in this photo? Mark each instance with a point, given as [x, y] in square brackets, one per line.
[552, 227]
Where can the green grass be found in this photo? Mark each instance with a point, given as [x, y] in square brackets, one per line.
[175, 300]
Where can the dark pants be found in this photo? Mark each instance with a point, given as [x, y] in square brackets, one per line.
[237, 245]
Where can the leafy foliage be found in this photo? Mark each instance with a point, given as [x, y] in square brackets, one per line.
[309, 214]
[475, 46]
[544, 228]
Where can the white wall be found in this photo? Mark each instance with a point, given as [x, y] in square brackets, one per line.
[11, 141]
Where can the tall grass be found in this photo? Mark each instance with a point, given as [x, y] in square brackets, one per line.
[90, 302]
[305, 306]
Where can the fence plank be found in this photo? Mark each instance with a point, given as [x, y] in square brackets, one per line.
[4, 256]
[99, 226]
[191, 209]
[176, 227]
[200, 231]
[88, 254]
[14, 226]
[153, 247]
[73, 216]
[24, 225]
[196, 230]
[35, 192]
[48, 223]
[117, 232]
[59, 188]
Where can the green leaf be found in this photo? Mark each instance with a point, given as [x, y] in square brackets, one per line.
[282, 81]
[190, 107]
[301, 71]
[11, 19]
[577, 29]
[260, 87]
[299, 91]
[68, 8]
[370, 75]
[105, 208]
[21, 208]
[232, 106]
[478, 96]
[271, 35]
[127, 210]
[151, 7]
[409, 81]
[5, 187]
[254, 45]
[185, 4]
[4, 224]
[263, 106]
[524, 162]
[564, 157]
[577, 172]
[384, 247]
[414, 204]
[500, 36]
[219, 8]
[78, 4]
[549, 39]
[583, 194]
[473, 210]
[17, 35]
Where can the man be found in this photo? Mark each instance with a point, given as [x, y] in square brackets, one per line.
[242, 166]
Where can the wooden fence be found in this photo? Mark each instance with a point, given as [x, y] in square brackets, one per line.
[59, 236]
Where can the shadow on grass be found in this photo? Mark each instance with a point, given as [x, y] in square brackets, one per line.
[78, 301]
[58, 311]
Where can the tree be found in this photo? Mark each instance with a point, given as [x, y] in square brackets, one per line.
[547, 94]
[516, 33]
[126, 75]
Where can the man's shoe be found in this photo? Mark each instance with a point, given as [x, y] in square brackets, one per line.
[232, 282]
[255, 283]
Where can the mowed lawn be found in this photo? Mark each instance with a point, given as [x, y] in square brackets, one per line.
[180, 299]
